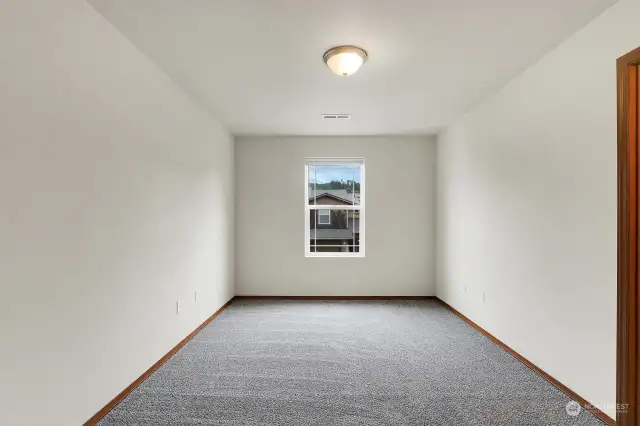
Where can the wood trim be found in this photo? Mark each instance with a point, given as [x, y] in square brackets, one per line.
[336, 297]
[114, 402]
[122, 395]
[605, 418]
[627, 396]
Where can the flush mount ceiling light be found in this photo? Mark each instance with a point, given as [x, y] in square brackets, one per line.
[345, 60]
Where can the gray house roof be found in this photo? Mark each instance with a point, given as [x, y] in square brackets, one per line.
[340, 193]
[337, 234]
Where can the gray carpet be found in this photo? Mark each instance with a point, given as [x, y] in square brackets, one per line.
[343, 363]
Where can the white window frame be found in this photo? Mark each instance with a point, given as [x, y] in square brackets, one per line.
[309, 207]
[320, 213]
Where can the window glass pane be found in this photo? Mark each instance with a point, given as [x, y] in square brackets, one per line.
[324, 217]
[340, 235]
[334, 184]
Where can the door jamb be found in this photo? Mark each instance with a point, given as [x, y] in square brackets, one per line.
[628, 238]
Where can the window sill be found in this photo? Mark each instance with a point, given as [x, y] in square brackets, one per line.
[336, 255]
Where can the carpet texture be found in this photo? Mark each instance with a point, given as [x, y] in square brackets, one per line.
[343, 363]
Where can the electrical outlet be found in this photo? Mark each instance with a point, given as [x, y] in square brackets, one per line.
[178, 307]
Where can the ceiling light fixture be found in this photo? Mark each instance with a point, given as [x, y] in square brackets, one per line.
[345, 60]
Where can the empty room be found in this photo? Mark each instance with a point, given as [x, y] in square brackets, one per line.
[281, 212]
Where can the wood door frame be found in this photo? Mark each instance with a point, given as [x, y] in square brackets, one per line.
[627, 322]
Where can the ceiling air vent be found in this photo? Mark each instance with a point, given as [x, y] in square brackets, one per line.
[336, 116]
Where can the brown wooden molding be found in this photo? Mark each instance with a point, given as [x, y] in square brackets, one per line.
[112, 404]
[122, 395]
[533, 367]
[627, 374]
[338, 297]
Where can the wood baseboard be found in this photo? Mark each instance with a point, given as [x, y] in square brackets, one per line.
[103, 412]
[600, 414]
[122, 395]
[337, 297]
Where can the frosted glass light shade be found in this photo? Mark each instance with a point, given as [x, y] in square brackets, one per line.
[345, 60]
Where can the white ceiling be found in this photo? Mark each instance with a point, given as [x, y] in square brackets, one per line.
[257, 64]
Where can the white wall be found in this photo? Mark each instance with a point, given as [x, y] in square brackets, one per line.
[400, 235]
[527, 209]
[115, 202]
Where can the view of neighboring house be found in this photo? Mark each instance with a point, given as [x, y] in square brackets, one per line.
[334, 230]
